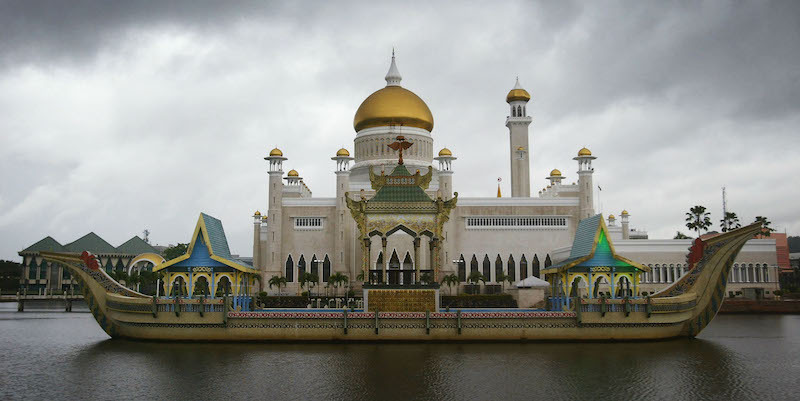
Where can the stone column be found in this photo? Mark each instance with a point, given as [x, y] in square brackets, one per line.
[366, 257]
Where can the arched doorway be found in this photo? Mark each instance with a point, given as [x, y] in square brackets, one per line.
[408, 270]
[223, 286]
[394, 269]
[178, 287]
[200, 286]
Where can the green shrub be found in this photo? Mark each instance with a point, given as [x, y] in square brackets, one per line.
[282, 302]
[478, 301]
[777, 292]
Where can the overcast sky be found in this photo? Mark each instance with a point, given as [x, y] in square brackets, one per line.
[121, 116]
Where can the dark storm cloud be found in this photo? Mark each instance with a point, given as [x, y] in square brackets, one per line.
[176, 102]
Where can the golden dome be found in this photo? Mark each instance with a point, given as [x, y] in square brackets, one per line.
[393, 105]
[275, 152]
[624, 212]
[257, 213]
[555, 173]
[342, 152]
[293, 173]
[445, 152]
[611, 217]
[517, 94]
[584, 152]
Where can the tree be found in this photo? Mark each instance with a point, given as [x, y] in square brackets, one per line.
[360, 277]
[174, 251]
[450, 280]
[474, 277]
[503, 278]
[426, 278]
[698, 219]
[765, 226]
[729, 222]
[309, 279]
[337, 280]
[680, 235]
[277, 281]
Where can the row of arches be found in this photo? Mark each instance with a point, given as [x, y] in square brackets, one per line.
[509, 267]
[519, 111]
[293, 271]
[179, 287]
[615, 286]
[740, 273]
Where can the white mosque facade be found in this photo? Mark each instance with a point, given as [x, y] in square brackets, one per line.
[514, 236]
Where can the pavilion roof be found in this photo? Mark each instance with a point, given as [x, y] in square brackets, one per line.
[592, 247]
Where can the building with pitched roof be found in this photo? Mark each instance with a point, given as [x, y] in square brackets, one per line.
[38, 275]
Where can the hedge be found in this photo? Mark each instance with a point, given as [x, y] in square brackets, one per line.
[282, 302]
[478, 301]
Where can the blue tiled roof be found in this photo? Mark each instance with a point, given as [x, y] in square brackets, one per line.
[216, 235]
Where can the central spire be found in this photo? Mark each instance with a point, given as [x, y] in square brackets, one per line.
[393, 77]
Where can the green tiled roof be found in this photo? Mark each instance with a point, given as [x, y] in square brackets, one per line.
[216, 235]
[401, 193]
[583, 243]
[90, 242]
[135, 246]
[47, 244]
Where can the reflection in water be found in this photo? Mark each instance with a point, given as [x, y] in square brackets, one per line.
[736, 358]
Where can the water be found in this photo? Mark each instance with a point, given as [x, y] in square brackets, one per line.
[56, 355]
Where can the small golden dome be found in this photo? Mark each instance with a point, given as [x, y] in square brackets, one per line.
[555, 173]
[393, 105]
[275, 152]
[611, 217]
[257, 213]
[342, 152]
[624, 212]
[445, 152]
[293, 173]
[518, 94]
[584, 152]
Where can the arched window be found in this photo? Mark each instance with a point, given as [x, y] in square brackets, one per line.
[462, 269]
[765, 275]
[547, 261]
[473, 266]
[326, 269]
[394, 261]
[487, 267]
[314, 266]
[120, 266]
[512, 268]
[301, 266]
[535, 271]
[109, 266]
[513, 112]
[289, 272]
[379, 263]
[523, 268]
[498, 268]
[43, 270]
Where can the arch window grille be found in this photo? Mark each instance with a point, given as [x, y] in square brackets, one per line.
[498, 268]
[487, 267]
[516, 223]
[326, 269]
[462, 269]
[32, 269]
[289, 272]
[473, 265]
[535, 268]
[523, 268]
[315, 266]
[301, 266]
[512, 268]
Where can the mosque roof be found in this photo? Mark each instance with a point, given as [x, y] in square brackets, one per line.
[45, 244]
[91, 242]
[401, 186]
[136, 246]
[593, 247]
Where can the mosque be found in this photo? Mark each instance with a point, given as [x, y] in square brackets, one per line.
[496, 236]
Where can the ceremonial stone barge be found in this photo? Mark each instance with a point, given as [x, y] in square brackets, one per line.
[681, 310]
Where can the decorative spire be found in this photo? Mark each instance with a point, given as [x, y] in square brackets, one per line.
[393, 77]
[517, 85]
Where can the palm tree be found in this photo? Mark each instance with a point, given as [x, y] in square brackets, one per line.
[426, 278]
[277, 281]
[698, 219]
[729, 222]
[503, 278]
[450, 280]
[304, 279]
[337, 279]
[475, 277]
[765, 228]
[360, 277]
[680, 235]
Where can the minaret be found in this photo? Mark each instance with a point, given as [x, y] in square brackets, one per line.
[271, 265]
[445, 160]
[585, 189]
[517, 123]
[626, 230]
[555, 177]
[343, 225]
[257, 240]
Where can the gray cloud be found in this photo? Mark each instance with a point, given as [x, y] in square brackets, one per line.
[119, 117]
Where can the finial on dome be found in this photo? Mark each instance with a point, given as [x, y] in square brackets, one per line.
[517, 85]
[393, 77]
